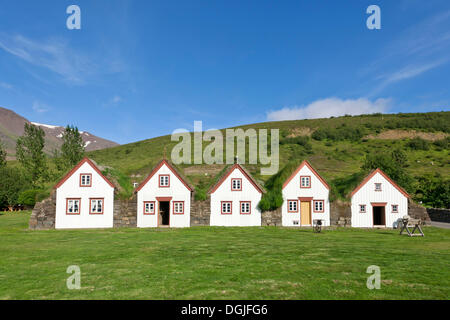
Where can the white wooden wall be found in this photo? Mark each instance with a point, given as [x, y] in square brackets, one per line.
[177, 191]
[224, 193]
[292, 191]
[367, 194]
[71, 189]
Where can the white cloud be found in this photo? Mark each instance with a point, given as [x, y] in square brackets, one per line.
[326, 108]
[113, 102]
[5, 85]
[54, 55]
[40, 107]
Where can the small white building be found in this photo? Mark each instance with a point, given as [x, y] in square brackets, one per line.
[305, 198]
[84, 198]
[235, 198]
[164, 198]
[378, 202]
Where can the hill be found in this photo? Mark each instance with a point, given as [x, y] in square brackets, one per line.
[12, 124]
[336, 147]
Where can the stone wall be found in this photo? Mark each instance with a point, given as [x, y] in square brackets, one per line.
[125, 213]
[340, 213]
[271, 218]
[439, 215]
[200, 212]
[416, 211]
[43, 214]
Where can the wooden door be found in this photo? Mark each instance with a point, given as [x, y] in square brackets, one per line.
[305, 213]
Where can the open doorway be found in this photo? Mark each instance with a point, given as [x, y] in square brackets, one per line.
[164, 213]
[379, 216]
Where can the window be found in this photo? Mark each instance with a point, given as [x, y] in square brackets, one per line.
[96, 206]
[73, 206]
[178, 207]
[395, 208]
[226, 207]
[305, 182]
[318, 206]
[292, 205]
[149, 207]
[236, 184]
[164, 180]
[377, 186]
[362, 208]
[85, 180]
[245, 207]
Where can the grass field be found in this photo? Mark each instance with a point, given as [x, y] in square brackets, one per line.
[220, 263]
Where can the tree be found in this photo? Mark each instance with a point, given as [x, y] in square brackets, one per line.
[72, 149]
[12, 182]
[2, 155]
[393, 164]
[30, 152]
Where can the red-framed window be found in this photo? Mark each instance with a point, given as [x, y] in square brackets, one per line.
[318, 205]
[305, 181]
[395, 208]
[85, 179]
[96, 205]
[73, 206]
[226, 207]
[292, 205]
[236, 184]
[149, 207]
[245, 207]
[378, 186]
[164, 180]
[178, 207]
[362, 208]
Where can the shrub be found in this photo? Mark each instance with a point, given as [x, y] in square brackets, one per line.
[28, 197]
[418, 144]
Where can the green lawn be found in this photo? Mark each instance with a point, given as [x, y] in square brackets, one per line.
[220, 263]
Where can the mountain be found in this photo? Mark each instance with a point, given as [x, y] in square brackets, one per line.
[12, 127]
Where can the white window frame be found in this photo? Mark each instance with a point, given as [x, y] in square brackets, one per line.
[149, 207]
[91, 211]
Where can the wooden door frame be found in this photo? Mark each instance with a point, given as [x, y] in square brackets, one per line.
[378, 204]
[309, 200]
[159, 202]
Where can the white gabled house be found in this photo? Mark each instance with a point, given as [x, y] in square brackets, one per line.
[164, 198]
[305, 198]
[84, 198]
[378, 202]
[235, 198]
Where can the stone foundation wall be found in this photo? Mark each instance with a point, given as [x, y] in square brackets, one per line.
[43, 214]
[125, 213]
[439, 215]
[416, 211]
[200, 212]
[340, 213]
[271, 218]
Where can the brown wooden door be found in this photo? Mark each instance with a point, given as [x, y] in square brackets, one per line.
[305, 213]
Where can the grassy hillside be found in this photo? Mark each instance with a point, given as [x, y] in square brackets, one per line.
[339, 154]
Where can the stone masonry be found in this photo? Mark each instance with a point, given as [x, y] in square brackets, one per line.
[271, 218]
[43, 214]
[439, 215]
[416, 211]
[200, 212]
[125, 213]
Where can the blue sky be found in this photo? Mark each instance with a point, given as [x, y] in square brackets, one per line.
[140, 69]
